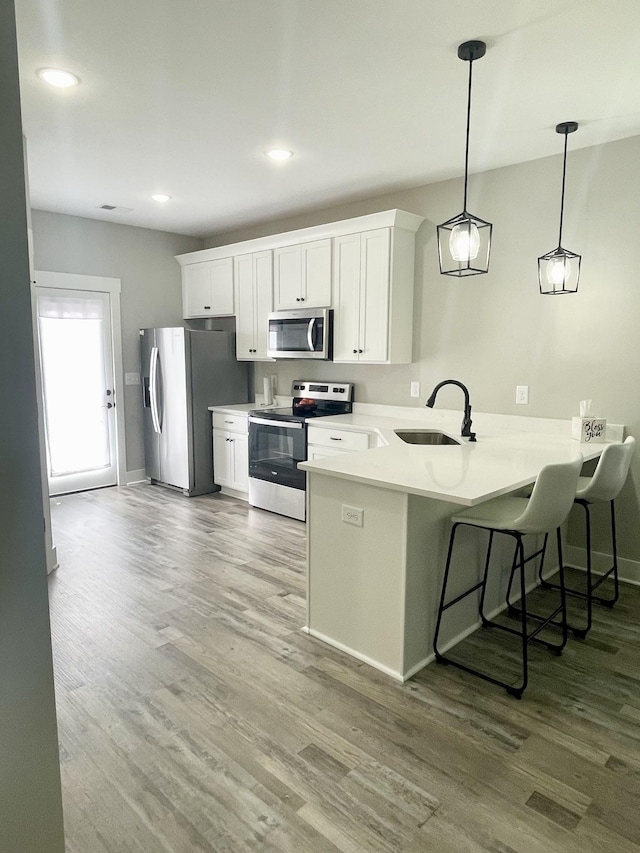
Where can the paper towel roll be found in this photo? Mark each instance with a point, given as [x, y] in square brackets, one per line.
[266, 390]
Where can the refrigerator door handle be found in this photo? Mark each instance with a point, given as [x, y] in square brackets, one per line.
[153, 389]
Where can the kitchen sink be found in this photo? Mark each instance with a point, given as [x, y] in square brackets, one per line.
[425, 436]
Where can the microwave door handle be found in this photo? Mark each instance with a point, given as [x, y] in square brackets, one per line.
[311, 338]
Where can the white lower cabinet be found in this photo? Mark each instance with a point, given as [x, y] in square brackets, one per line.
[231, 454]
[323, 442]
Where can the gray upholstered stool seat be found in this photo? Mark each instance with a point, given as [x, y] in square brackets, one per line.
[547, 508]
[604, 486]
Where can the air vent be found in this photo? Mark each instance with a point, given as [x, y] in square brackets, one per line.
[115, 207]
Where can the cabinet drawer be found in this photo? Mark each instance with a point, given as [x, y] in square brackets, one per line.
[338, 438]
[231, 423]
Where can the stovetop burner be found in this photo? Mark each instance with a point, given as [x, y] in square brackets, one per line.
[312, 400]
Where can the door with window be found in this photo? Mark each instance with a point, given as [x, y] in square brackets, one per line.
[76, 353]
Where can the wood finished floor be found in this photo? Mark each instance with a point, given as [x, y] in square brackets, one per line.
[194, 715]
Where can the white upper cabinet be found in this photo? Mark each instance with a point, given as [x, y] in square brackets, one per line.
[302, 275]
[207, 288]
[253, 276]
[373, 296]
[363, 268]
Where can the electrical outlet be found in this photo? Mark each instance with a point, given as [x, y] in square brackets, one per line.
[132, 379]
[353, 515]
[415, 389]
[522, 395]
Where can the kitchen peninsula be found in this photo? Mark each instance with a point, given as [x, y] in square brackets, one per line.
[378, 525]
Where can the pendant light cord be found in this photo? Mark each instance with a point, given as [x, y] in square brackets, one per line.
[466, 150]
[564, 173]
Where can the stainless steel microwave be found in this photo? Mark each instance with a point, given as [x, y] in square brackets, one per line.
[300, 334]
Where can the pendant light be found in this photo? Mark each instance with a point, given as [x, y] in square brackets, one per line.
[464, 242]
[559, 270]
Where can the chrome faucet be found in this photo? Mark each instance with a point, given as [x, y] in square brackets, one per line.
[465, 431]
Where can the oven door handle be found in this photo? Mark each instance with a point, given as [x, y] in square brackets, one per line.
[311, 338]
[279, 424]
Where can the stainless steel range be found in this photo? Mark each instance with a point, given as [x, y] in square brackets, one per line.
[278, 441]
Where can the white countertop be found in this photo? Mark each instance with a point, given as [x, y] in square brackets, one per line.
[245, 408]
[508, 454]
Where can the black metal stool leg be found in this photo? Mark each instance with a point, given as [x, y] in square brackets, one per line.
[609, 602]
[518, 691]
[486, 622]
[581, 633]
[589, 597]
[563, 595]
[443, 595]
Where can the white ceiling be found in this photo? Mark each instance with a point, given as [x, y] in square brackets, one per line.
[184, 96]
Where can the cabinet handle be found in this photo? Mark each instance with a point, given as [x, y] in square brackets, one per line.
[360, 350]
[207, 307]
[228, 422]
[302, 299]
[355, 351]
[333, 438]
[297, 299]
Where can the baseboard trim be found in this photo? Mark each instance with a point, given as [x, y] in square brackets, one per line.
[52, 559]
[134, 477]
[397, 676]
[628, 570]
[234, 493]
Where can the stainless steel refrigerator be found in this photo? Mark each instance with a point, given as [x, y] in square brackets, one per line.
[183, 372]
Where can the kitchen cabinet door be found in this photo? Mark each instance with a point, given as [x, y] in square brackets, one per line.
[240, 462]
[263, 301]
[245, 306]
[231, 460]
[207, 288]
[314, 453]
[222, 464]
[346, 297]
[287, 278]
[316, 274]
[254, 299]
[374, 297]
[302, 276]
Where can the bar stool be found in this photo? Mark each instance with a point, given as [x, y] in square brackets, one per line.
[547, 508]
[605, 485]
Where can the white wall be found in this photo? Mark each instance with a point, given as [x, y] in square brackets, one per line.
[30, 802]
[496, 331]
[151, 291]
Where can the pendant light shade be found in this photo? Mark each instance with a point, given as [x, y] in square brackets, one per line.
[464, 242]
[559, 270]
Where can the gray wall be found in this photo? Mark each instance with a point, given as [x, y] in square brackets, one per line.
[495, 331]
[151, 291]
[30, 802]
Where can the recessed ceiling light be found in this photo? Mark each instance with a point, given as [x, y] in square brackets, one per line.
[161, 197]
[279, 153]
[58, 78]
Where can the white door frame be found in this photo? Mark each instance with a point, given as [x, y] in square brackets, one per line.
[112, 286]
